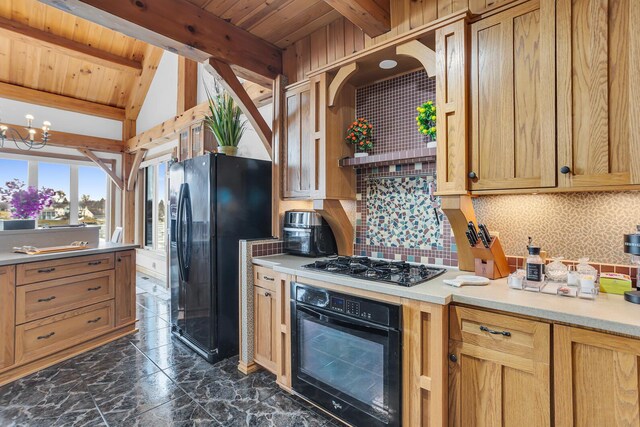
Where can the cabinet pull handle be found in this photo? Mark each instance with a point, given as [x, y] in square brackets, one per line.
[271, 279]
[51, 298]
[94, 289]
[491, 331]
[96, 320]
[473, 175]
[267, 294]
[95, 262]
[46, 337]
[565, 170]
[46, 270]
[453, 358]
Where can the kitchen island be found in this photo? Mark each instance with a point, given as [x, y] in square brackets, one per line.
[487, 353]
[55, 306]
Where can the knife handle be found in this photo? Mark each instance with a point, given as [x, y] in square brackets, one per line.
[484, 240]
[472, 230]
[470, 238]
[483, 228]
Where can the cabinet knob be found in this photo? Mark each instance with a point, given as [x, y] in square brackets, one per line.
[453, 358]
[473, 175]
[267, 294]
[565, 170]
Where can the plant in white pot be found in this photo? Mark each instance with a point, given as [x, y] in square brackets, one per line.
[25, 204]
[225, 121]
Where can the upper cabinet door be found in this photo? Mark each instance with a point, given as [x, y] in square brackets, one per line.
[598, 49]
[512, 98]
[298, 155]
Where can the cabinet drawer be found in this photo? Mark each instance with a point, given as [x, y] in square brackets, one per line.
[47, 270]
[265, 278]
[500, 333]
[43, 337]
[39, 300]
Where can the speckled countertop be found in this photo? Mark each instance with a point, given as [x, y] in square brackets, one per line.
[607, 312]
[9, 258]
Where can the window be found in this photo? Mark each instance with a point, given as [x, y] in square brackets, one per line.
[57, 176]
[92, 203]
[10, 170]
[155, 206]
[81, 190]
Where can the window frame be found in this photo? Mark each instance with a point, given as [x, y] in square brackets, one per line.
[74, 198]
[154, 163]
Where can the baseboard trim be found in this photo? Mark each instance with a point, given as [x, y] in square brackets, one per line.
[248, 368]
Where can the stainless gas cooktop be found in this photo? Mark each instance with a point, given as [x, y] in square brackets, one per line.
[396, 272]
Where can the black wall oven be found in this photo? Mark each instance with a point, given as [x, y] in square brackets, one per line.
[347, 355]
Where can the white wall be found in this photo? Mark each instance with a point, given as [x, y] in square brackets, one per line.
[162, 97]
[65, 121]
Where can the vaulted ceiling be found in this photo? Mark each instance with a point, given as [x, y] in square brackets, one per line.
[52, 52]
[280, 22]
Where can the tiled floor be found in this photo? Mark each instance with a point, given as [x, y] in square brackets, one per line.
[150, 379]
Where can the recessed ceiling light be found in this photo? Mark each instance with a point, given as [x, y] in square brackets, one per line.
[388, 64]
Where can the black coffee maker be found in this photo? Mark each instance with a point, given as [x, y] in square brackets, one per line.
[632, 247]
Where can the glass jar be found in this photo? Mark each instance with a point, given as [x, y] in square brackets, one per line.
[557, 271]
[588, 279]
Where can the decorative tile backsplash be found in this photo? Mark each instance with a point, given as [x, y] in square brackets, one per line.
[571, 225]
[390, 105]
[398, 218]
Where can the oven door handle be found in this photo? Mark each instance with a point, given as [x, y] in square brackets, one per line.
[340, 319]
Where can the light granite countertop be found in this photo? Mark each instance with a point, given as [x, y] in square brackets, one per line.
[9, 258]
[607, 312]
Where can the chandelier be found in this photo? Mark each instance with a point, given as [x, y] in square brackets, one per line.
[29, 142]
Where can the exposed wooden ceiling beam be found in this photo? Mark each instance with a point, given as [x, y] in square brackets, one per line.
[98, 161]
[183, 28]
[133, 173]
[166, 131]
[74, 140]
[48, 99]
[17, 31]
[373, 16]
[141, 83]
[261, 96]
[187, 84]
[232, 85]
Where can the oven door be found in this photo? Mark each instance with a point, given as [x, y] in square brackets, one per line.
[348, 366]
[298, 241]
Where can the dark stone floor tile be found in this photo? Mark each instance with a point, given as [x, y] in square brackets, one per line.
[147, 340]
[279, 410]
[33, 389]
[111, 371]
[172, 354]
[180, 412]
[89, 418]
[135, 395]
[150, 323]
[227, 397]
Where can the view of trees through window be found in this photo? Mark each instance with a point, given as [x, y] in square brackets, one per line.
[82, 187]
[155, 194]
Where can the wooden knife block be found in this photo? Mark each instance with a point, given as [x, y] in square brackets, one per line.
[490, 262]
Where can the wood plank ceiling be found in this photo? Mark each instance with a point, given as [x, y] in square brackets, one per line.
[36, 51]
[280, 22]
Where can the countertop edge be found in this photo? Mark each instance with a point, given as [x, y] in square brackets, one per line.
[11, 258]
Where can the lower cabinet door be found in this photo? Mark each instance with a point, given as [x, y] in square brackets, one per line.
[7, 315]
[47, 336]
[596, 378]
[266, 328]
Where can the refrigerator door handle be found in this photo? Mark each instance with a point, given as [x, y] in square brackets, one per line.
[179, 231]
[189, 218]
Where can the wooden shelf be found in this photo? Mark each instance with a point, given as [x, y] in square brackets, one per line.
[393, 158]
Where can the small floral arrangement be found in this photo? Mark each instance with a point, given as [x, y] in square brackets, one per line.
[360, 134]
[426, 119]
[26, 203]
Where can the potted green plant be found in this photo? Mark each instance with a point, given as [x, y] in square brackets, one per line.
[25, 204]
[225, 121]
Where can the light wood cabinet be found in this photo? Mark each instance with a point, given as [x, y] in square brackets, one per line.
[272, 323]
[598, 84]
[266, 328]
[477, 6]
[125, 292]
[596, 378]
[195, 140]
[513, 138]
[298, 151]
[499, 370]
[7, 326]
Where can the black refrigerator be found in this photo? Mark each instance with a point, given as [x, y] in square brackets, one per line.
[214, 201]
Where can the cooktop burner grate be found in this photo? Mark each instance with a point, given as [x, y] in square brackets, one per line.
[396, 272]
